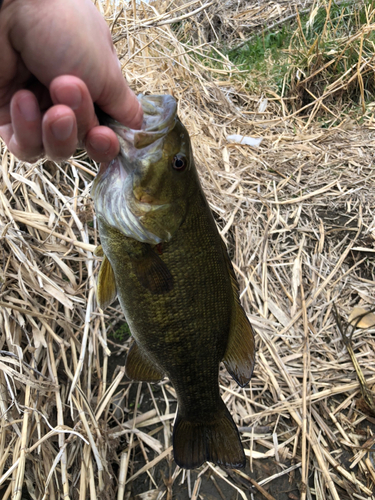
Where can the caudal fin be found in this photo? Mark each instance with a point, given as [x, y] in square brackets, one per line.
[217, 441]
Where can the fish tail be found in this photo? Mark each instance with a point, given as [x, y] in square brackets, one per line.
[217, 441]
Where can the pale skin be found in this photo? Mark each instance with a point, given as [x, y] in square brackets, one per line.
[56, 60]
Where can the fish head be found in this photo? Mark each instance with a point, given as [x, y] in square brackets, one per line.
[145, 191]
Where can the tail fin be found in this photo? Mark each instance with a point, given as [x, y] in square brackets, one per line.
[218, 441]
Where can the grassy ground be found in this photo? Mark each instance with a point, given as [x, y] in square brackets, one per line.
[301, 58]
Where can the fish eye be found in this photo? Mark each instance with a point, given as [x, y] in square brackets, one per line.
[179, 162]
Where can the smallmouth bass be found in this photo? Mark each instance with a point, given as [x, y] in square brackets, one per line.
[166, 262]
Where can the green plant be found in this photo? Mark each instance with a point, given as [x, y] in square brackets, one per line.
[121, 333]
[264, 57]
[330, 58]
[318, 63]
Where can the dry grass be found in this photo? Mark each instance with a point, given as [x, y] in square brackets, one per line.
[297, 214]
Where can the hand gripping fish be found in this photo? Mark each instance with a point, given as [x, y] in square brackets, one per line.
[166, 262]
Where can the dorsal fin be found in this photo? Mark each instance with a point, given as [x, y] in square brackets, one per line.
[239, 357]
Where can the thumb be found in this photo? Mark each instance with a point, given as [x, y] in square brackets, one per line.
[118, 100]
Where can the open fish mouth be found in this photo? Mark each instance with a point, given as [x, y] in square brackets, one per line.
[113, 188]
[159, 118]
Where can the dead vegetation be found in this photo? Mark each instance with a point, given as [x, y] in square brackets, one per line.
[297, 214]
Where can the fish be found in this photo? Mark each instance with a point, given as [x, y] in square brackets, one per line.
[165, 260]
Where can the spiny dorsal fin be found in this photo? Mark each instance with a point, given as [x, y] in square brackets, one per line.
[106, 288]
[138, 367]
[239, 358]
[153, 273]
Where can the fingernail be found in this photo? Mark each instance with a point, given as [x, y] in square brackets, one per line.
[62, 128]
[28, 109]
[70, 96]
[101, 144]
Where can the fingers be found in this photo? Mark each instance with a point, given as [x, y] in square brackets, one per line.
[26, 140]
[73, 92]
[118, 100]
[70, 121]
[51, 51]
[101, 142]
[59, 129]
[28, 135]
[123, 105]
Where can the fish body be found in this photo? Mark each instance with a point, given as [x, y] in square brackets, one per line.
[165, 260]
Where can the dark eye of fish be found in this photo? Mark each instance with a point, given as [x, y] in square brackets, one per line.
[179, 162]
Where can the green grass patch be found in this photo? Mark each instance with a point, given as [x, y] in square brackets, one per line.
[322, 53]
[121, 333]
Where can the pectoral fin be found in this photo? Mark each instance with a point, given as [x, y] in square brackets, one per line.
[138, 367]
[98, 252]
[239, 358]
[153, 273]
[106, 288]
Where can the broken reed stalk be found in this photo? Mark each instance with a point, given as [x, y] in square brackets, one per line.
[366, 392]
[305, 361]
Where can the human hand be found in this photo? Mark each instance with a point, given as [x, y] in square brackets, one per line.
[56, 60]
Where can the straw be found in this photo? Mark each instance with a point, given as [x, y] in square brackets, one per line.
[297, 215]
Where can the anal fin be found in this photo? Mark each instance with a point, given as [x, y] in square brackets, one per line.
[106, 288]
[138, 367]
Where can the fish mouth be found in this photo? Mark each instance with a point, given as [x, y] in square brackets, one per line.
[146, 198]
[159, 118]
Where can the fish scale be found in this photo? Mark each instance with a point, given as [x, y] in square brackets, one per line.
[179, 297]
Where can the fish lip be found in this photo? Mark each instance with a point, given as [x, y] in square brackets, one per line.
[159, 118]
[148, 207]
[147, 200]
